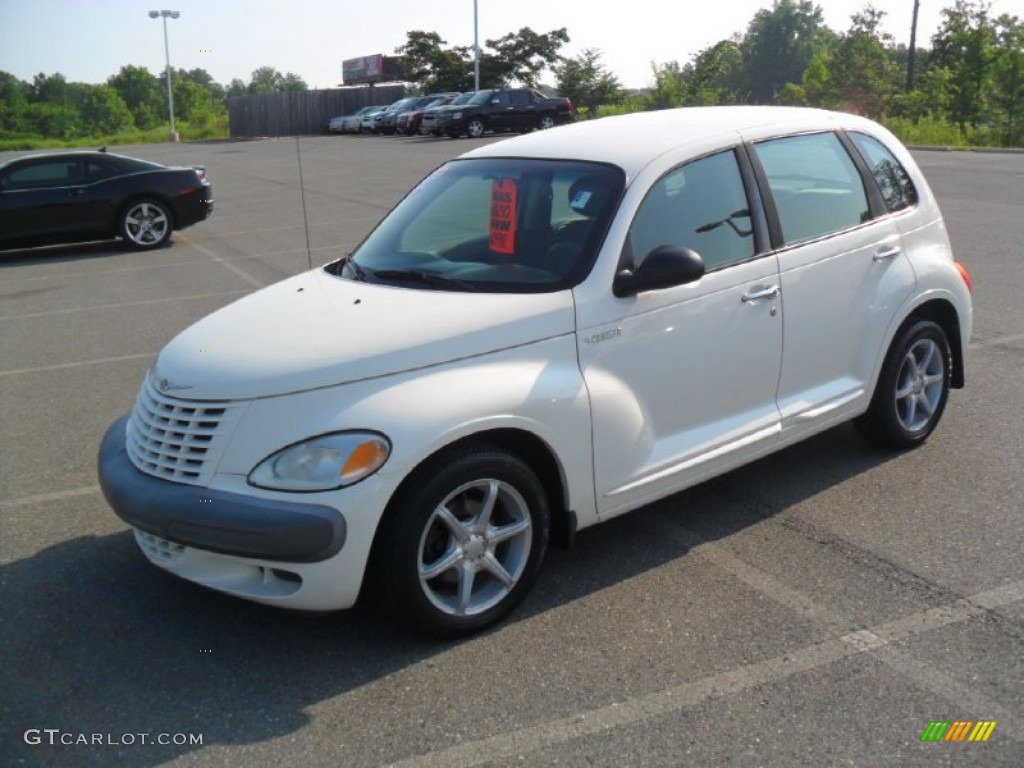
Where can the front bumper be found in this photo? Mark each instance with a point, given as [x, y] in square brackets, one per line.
[212, 520]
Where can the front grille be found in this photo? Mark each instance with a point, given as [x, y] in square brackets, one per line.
[179, 440]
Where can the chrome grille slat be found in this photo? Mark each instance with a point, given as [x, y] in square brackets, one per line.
[179, 440]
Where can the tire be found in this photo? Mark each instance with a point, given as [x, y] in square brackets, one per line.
[145, 224]
[475, 128]
[461, 543]
[912, 388]
[545, 122]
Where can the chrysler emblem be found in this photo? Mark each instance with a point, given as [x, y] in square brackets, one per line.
[166, 385]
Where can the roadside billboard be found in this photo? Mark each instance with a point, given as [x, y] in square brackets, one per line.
[376, 68]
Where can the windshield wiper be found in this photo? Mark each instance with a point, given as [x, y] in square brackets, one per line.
[358, 273]
[432, 279]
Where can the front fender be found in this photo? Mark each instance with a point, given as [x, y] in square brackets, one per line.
[536, 388]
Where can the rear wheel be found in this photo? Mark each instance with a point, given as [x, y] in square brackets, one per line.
[912, 389]
[462, 542]
[146, 224]
[545, 122]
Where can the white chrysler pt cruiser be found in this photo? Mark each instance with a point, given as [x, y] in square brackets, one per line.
[545, 333]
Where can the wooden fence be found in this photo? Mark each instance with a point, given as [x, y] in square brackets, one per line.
[302, 112]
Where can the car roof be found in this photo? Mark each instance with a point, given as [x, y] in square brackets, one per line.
[76, 154]
[632, 141]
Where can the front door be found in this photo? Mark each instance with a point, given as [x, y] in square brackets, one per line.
[682, 381]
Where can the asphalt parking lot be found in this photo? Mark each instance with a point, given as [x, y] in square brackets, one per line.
[819, 607]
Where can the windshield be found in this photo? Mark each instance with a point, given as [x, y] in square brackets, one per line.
[480, 97]
[464, 98]
[507, 225]
[400, 105]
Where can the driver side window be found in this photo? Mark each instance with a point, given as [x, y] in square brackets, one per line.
[701, 206]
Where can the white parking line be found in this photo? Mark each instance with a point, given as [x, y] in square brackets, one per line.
[79, 364]
[125, 304]
[524, 741]
[996, 342]
[42, 498]
[226, 263]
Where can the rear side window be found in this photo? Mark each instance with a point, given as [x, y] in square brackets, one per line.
[815, 184]
[893, 180]
[95, 171]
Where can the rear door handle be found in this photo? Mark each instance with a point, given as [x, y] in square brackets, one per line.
[766, 292]
[886, 252]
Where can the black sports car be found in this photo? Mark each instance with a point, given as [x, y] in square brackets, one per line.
[68, 197]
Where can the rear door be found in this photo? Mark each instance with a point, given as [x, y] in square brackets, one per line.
[843, 274]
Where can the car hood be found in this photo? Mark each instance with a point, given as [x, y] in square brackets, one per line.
[317, 330]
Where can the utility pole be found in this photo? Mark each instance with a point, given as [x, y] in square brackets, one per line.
[476, 50]
[913, 48]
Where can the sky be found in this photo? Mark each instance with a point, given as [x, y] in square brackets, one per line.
[89, 40]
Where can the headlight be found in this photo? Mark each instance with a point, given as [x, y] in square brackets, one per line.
[323, 463]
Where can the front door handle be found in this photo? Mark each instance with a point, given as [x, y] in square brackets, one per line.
[886, 252]
[765, 292]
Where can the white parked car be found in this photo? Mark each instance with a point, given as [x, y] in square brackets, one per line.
[545, 333]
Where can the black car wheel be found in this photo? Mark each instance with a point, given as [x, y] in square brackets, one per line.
[146, 223]
[912, 388]
[462, 543]
[475, 128]
[545, 122]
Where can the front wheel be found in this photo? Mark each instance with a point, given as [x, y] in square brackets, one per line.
[912, 389]
[475, 128]
[462, 543]
[146, 224]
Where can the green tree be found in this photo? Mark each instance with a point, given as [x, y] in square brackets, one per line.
[236, 87]
[204, 79]
[778, 46]
[269, 80]
[53, 121]
[143, 93]
[518, 57]
[1008, 78]
[13, 101]
[521, 57]
[293, 82]
[669, 90]
[966, 45]
[862, 76]
[433, 66]
[104, 112]
[587, 82]
[713, 75]
[49, 89]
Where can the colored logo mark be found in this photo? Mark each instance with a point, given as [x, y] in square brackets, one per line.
[958, 730]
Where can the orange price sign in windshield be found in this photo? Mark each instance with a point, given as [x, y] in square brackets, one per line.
[503, 216]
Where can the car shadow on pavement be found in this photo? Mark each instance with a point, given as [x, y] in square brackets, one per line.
[51, 254]
[97, 641]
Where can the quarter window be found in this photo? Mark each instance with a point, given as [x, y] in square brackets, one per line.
[701, 206]
[815, 184]
[893, 180]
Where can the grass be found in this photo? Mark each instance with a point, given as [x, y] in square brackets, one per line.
[216, 128]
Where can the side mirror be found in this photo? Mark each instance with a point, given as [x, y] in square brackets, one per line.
[665, 267]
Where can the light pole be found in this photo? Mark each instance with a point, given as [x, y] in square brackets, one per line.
[476, 51]
[167, 53]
